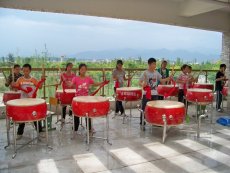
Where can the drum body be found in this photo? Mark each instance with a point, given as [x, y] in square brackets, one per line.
[174, 112]
[26, 109]
[94, 106]
[169, 90]
[203, 86]
[200, 96]
[11, 95]
[66, 97]
[129, 93]
[225, 91]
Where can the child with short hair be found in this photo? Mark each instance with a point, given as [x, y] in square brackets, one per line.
[25, 82]
[148, 81]
[183, 81]
[220, 81]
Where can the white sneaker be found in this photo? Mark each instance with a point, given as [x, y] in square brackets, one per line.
[19, 137]
[219, 110]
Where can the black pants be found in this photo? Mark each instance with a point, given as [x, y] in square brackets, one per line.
[181, 96]
[219, 98]
[119, 106]
[144, 102]
[160, 97]
[77, 122]
[22, 126]
[64, 112]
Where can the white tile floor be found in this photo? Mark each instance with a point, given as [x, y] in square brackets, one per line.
[132, 150]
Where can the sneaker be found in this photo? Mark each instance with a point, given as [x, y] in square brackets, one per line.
[116, 114]
[219, 110]
[19, 137]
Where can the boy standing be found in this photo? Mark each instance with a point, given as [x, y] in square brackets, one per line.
[14, 76]
[24, 83]
[148, 81]
[220, 81]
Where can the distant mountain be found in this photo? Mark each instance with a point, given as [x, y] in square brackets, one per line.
[145, 54]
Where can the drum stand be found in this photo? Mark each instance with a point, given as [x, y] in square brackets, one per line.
[88, 131]
[200, 116]
[29, 142]
[165, 126]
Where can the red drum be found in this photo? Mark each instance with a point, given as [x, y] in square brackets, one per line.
[204, 86]
[11, 95]
[174, 112]
[129, 93]
[26, 109]
[225, 91]
[94, 106]
[200, 96]
[169, 90]
[67, 97]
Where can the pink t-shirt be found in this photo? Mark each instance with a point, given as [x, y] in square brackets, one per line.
[67, 78]
[183, 77]
[82, 85]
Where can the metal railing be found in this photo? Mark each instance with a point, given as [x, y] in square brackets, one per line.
[98, 74]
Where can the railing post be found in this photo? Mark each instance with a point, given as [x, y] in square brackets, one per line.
[103, 79]
[44, 84]
[206, 76]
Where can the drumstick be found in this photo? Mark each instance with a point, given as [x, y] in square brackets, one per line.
[103, 73]
[173, 70]
[43, 70]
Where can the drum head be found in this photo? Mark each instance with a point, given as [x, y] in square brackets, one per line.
[90, 99]
[198, 90]
[129, 88]
[67, 91]
[25, 102]
[165, 104]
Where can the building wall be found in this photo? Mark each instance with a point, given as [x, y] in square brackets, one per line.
[226, 59]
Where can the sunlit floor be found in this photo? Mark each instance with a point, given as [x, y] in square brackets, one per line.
[132, 150]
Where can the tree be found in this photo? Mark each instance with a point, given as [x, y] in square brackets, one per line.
[11, 58]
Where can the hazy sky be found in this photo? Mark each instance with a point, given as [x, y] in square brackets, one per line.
[21, 32]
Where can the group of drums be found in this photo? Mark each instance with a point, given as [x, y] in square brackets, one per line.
[156, 112]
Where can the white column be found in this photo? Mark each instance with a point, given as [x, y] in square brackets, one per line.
[225, 56]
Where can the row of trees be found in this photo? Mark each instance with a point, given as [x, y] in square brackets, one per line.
[53, 76]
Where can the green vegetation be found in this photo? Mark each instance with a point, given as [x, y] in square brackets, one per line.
[53, 76]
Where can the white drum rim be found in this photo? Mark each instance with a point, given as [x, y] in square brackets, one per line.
[168, 86]
[202, 90]
[88, 99]
[12, 92]
[165, 104]
[126, 89]
[66, 90]
[203, 84]
[22, 102]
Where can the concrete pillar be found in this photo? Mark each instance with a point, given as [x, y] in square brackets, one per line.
[225, 56]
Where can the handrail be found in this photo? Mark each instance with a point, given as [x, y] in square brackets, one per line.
[103, 70]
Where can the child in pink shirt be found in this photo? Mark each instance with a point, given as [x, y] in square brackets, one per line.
[183, 82]
[65, 80]
[82, 84]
